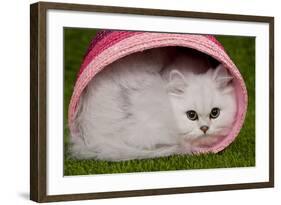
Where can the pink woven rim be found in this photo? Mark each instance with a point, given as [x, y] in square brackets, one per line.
[110, 46]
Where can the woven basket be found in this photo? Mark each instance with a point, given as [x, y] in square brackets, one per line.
[109, 46]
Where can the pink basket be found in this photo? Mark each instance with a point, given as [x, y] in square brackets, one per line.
[109, 46]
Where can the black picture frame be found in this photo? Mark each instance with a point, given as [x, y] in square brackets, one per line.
[38, 101]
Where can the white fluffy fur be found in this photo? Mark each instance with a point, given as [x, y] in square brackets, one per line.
[136, 107]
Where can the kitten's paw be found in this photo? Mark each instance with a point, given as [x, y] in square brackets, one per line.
[206, 142]
[187, 148]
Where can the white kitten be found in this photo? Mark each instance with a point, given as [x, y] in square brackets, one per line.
[204, 104]
[146, 106]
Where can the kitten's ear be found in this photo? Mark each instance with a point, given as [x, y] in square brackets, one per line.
[221, 76]
[177, 83]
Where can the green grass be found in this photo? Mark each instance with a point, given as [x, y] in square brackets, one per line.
[241, 153]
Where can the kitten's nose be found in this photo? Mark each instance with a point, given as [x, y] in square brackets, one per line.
[204, 128]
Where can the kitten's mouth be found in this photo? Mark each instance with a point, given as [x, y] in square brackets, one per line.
[204, 135]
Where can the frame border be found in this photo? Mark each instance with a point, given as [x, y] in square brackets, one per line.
[38, 130]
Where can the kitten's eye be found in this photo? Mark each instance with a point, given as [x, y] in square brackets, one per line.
[215, 112]
[192, 115]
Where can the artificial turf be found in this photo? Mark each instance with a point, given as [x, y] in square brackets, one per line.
[241, 153]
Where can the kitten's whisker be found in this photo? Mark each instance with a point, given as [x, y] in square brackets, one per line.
[185, 133]
[224, 127]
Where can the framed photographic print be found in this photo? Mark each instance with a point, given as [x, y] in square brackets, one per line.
[134, 102]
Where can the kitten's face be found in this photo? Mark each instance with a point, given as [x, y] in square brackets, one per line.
[203, 104]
